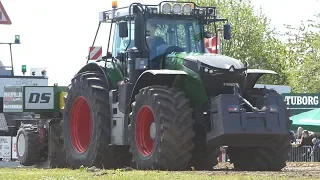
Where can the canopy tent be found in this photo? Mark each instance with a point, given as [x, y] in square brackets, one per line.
[309, 120]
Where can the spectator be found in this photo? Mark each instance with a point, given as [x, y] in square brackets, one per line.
[312, 135]
[299, 133]
[316, 146]
[305, 139]
[293, 138]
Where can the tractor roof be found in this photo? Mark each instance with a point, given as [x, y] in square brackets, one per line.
[166, 9]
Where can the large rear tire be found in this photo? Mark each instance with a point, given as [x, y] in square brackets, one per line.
[261, 158]
[161, 129]
[27, 145]
[272, 158]
[87, 123]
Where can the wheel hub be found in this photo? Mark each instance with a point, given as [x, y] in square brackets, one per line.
[21, 144]
[145, 131]
[80, 125]
[153, 130]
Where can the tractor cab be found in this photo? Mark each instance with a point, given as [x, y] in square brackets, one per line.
[144, 34]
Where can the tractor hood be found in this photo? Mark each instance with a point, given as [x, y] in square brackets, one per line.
[216, 60]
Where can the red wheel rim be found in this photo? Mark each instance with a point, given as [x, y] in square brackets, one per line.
[80, 125]
[144, 141]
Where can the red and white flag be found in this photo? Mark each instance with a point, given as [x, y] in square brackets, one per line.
[210, 44]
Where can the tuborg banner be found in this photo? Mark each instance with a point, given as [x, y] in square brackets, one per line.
[302, 100]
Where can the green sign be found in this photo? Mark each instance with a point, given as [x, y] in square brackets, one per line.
[301, 102]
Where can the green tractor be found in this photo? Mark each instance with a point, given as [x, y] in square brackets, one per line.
[158, 101]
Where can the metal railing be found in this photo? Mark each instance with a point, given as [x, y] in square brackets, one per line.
[303, 154]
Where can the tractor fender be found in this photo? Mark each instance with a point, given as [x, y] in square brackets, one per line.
[155, 77]
[254, 75]
[95, 67]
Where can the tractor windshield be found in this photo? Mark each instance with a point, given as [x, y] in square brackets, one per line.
[186, 34]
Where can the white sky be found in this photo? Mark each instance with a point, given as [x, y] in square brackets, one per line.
[57, 33]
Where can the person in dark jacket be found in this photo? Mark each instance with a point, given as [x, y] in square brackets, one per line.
[153, 41]
[306, 139]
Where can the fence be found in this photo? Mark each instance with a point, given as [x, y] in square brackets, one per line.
[297, 154]
[303, 154]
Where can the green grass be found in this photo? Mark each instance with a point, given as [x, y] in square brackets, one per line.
[50, 174]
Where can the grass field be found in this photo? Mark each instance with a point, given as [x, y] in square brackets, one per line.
[297, 171]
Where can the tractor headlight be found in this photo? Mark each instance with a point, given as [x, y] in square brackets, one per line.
[207, 70]
[186, 9]
[176, 8]
[166, 8]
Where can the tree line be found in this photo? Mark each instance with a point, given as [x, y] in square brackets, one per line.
[295, 59]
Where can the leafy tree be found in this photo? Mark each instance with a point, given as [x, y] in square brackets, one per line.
[303, 49]
[252, 38]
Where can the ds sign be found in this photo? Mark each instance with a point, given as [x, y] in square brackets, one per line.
[38, 98]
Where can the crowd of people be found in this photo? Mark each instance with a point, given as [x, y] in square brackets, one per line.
[305, 138]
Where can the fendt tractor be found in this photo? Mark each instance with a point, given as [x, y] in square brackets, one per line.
[10, 120]
[159, 101]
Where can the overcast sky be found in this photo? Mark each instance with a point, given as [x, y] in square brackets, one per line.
[57, 33]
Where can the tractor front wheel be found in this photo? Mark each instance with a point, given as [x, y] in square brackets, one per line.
[161, 129]
[87, 122]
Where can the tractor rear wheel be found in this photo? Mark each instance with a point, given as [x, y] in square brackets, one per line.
[271, 158]
[87, 123]
[28, 145]
[261, 158]
[161, 129]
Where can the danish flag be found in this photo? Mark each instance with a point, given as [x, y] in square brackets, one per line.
[210, 44]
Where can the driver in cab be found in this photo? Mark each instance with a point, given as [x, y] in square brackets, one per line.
[153, 41]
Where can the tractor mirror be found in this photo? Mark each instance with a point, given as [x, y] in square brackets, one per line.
[207, 34]
[227, 31]
[123, 29]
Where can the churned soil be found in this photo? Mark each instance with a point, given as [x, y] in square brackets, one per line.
[293, 169]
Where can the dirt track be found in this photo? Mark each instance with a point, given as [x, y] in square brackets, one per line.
[293, 169]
